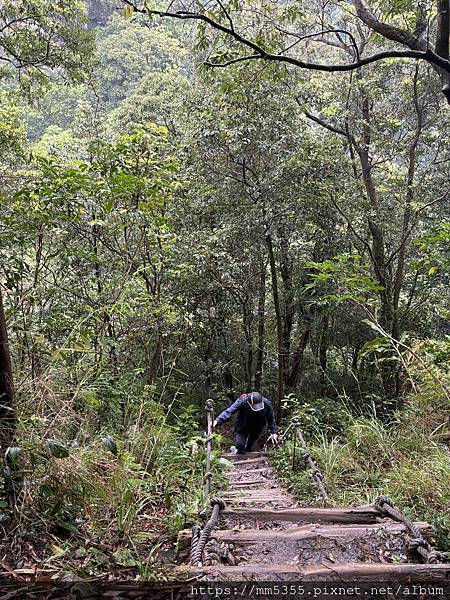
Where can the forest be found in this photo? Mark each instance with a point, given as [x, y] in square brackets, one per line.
[200, 199]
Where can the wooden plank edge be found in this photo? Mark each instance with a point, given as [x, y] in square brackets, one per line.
[344, 572]
[304, 532]
[367, 514]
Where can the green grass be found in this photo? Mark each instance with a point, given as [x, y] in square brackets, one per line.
[404, 460]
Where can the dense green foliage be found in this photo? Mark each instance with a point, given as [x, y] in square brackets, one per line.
[362, 457]
[171, 233]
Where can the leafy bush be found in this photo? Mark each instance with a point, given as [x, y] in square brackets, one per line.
[327, 415]
[128, 491]
[405, 460]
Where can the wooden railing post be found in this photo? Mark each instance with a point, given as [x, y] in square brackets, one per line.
[209, 428]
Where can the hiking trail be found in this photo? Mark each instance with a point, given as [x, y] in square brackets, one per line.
[261, 535]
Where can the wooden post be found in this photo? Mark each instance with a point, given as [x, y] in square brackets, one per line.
[209, 428]
[317, 475]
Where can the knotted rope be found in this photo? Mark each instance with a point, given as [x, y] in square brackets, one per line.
[196, 531]
[200, 535]
[309, 462]
[197, 547]
[418, 543]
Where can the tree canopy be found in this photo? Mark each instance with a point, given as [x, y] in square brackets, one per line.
[259, 31]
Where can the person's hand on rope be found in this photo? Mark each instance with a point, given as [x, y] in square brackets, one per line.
[273, 437]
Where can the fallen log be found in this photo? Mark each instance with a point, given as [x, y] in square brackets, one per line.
[306, 532]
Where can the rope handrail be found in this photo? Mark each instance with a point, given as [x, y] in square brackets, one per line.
[418, 543]
[316, 473]
[384, 505]
[209, 436]
[200, 534]
[200, 537]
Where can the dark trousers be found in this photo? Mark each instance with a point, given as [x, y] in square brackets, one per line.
[245, 441]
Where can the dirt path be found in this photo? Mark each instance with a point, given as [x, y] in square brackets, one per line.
[262, 535]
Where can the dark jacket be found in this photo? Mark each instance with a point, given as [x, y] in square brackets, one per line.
[247, 419]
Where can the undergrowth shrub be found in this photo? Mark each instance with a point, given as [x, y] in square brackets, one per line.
[407, 459]
[130, 489]
[328, 415]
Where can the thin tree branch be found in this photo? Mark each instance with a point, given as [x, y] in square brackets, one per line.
[427, 55]
[435, 201]
[352, 229]
[324, 124]
[233, 61]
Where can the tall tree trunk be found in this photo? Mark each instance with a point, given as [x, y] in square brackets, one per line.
[35, 362]
[97, 338]
[288, 304]
[154, 360]
[108, 325]
[323, 347]
[247, 322]
[387, 368]
[279, 325]
[261, 326]
[406, 228]
[442, 40]
[228, 381]
[297, 359]
[8, 412]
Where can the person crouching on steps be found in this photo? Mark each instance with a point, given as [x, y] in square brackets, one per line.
[253, 412]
